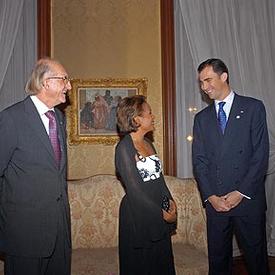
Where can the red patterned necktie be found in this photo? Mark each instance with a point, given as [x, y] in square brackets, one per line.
[53, 136]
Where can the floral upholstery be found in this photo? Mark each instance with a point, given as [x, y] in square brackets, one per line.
[94, 211]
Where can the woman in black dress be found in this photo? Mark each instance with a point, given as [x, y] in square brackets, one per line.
[144, 227]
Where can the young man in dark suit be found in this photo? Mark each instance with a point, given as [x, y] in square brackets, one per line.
[230, 158]
[35, 214]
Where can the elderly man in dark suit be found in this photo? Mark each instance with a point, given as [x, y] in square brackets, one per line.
[35, 214]
[230, 159]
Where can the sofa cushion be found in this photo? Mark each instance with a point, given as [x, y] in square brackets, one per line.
[191, 227]
[104, 261]
[94, 211]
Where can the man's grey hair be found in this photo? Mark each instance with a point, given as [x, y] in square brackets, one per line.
[35, 81]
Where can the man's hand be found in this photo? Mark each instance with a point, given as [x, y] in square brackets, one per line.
[233, 198]
[219, 203]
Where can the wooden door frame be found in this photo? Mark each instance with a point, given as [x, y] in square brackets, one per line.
[43, 28]
[168, 87]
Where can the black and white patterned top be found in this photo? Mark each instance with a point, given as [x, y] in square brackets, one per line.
[149, 168]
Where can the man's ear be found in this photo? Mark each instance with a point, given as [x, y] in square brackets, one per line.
[224, 76]
[44, 85]
[137, 120]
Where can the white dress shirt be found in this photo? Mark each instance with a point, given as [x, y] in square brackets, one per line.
[228, 104]
[42, 109]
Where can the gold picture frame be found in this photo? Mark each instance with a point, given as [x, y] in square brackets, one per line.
[92, 111]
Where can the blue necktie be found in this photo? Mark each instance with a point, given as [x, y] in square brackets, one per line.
[222, 116]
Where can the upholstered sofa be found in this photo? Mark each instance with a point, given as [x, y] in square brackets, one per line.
[94, 210]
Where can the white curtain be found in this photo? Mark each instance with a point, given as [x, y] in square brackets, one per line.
[17, 48]
[242, 34]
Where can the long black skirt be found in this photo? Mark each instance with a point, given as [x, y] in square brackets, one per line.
[156, 260]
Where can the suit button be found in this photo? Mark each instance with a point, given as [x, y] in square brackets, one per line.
[59, 198]
[219, 182]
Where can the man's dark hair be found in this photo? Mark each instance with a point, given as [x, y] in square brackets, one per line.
[217, 65]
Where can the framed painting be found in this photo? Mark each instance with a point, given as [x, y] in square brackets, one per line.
[93, 104]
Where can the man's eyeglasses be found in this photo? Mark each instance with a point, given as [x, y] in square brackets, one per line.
[66, 79]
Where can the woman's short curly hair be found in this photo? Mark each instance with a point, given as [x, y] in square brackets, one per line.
[129, 108]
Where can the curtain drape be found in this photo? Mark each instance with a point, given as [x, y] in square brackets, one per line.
[17, 48]
[242, 34]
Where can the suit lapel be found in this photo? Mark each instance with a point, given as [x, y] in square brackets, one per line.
[214, 133]
[213, 124]
[232, 126]
[37, 125]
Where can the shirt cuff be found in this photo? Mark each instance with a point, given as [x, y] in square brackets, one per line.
[244, 196]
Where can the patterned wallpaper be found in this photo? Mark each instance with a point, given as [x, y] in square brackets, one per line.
[108, 38]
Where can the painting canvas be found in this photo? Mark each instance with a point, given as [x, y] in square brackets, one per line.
[93, 108]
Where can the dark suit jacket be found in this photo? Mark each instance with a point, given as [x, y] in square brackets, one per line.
[34, 189]
[237, 160]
